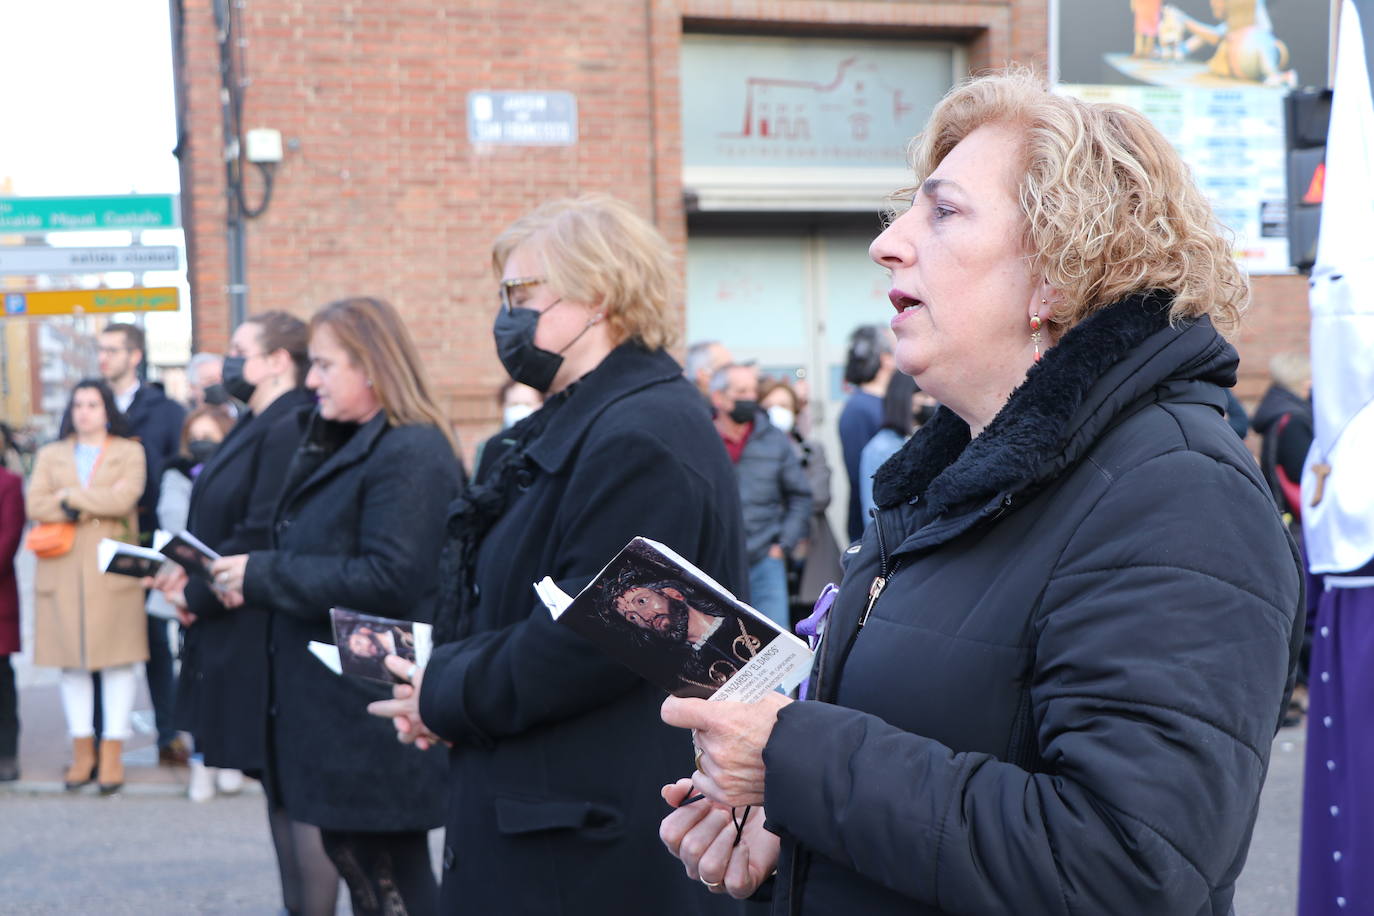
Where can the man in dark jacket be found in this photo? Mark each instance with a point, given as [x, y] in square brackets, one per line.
[868, 367]
[156, 421]
[1284, 421]
[774, 491]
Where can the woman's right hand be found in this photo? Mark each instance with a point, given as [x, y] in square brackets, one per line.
[171, 581]
[702, 835]
[403, 709]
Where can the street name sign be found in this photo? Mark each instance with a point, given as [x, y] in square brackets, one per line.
[522, 118]
[92, 301]
[36, 260]
[63, 214]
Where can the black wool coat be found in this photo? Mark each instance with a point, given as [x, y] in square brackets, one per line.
[359, 525]
[559, 752]
[1063, 698]
[222, 691]
[156, 421]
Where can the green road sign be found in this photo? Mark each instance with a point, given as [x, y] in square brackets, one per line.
[60, 214]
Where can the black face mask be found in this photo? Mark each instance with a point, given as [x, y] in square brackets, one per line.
[202, 449]
[924, 413]
[234, 383]
[525, 362]
[743, 411]
[216, 394]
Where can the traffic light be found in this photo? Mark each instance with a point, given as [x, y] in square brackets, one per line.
[1306, 116]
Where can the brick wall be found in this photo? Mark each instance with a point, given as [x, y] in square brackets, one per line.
[381, 193]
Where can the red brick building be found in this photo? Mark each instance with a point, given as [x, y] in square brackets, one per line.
[380, 190]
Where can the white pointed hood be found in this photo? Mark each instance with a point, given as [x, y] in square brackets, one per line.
[1339, 530]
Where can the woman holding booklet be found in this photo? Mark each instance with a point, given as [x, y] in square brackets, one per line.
[86, 487]
[557, 750]
[1054, 670]
[358, 524]
[222, 693]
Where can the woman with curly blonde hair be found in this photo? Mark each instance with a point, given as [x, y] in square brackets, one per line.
[1052, 674]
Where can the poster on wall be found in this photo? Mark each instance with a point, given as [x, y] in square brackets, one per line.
[1211, 75]
[1194, 44]
[1232, 140]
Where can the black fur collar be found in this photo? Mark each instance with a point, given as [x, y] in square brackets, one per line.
[1034, 427]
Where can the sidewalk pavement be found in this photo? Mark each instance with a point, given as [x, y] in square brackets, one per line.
[45, 750]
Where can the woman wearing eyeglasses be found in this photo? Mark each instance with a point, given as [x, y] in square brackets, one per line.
[557, 751]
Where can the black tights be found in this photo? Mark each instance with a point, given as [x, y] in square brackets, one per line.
[309, 880]
[388, 874]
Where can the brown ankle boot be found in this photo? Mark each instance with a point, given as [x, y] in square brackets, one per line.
[111, 776]
[82, 770]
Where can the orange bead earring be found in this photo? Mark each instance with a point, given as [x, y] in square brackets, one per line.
[1035, 333]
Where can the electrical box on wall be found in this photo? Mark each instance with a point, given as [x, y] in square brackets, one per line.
[263, 145]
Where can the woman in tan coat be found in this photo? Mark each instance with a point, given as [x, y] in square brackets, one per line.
[85, 620]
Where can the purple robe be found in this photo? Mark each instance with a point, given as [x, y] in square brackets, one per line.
[1337, 872]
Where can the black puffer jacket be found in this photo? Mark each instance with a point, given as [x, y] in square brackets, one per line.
[1064, 697]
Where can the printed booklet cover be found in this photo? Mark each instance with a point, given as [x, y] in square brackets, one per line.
[187, 551]
[363, 641]
[675, 626]
[127, 559]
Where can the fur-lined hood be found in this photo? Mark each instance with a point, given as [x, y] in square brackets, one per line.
[1099, 369]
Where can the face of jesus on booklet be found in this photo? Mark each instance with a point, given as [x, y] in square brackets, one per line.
[652, 610]
[664, 611]
[365, 643]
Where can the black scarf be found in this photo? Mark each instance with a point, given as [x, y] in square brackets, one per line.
[479, 506]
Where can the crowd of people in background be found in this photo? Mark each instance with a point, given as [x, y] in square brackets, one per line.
[1013, 528]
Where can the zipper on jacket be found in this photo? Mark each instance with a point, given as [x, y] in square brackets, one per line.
[874, 590]
[879, 582]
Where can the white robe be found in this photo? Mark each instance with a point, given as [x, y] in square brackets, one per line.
[1339, 530]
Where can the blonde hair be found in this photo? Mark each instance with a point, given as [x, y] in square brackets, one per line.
[596, 250]
[1291, 370]
[376, 340]
[1110, 208]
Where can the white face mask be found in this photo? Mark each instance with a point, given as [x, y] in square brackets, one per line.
[515, 413]
[782, 418]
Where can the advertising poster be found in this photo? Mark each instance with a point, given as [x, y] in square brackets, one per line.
[1211, 75]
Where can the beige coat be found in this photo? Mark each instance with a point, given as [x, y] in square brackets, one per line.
[84, 618]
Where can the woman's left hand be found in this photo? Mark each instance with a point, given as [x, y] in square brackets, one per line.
[228, 575]
[713, 851]
[730, 738]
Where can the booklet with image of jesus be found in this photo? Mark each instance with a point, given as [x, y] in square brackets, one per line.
[127, 559]
[672, 624]
[187, 551]
[363, 641]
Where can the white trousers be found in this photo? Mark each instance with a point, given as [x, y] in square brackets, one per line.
[118, 687]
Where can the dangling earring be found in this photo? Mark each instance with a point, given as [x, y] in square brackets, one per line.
[1035, 332]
